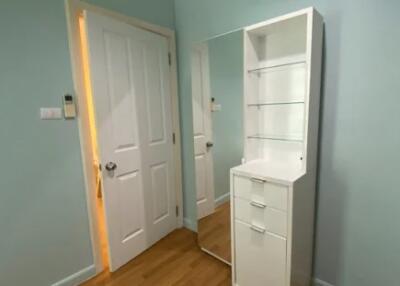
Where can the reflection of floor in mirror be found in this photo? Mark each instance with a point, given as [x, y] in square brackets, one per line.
[215, 232]
[174, 260]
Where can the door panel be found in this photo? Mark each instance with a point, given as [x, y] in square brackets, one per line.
[158, 146]
[130, 83]
[159, 182]
[155, 102]
[201, 166]
[202, 132]
[132, 220]
[122, 106]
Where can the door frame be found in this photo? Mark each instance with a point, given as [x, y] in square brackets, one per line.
[74, 9]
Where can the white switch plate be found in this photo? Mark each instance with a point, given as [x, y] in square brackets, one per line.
[50, 113]
[216, 107]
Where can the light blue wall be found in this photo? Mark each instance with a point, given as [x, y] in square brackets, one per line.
[159, 12]
[43, 214]
[44, 233]
[226, 84]
[358, 233]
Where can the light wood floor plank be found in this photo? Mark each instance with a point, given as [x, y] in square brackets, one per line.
[176, 260]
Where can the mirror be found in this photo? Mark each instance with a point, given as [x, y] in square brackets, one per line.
[217, 98]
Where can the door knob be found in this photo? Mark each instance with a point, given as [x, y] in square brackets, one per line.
[111, 166]
[209, 144]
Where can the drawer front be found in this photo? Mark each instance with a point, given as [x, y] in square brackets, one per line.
[270, 194]
[271, 220]
[260, 258]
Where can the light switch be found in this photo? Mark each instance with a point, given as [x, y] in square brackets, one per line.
[47, 113]
[216, 107]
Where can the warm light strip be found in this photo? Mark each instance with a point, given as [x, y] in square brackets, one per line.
[88, 86]
[93, 136]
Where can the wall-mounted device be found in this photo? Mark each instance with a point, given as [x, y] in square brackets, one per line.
[215, 106]
[69, 106]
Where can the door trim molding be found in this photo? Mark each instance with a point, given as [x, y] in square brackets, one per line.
[74, 9]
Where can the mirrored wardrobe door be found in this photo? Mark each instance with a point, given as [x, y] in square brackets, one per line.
[217, 97]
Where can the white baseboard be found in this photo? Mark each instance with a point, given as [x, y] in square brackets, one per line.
[222, 199]
[78, 277]
[318, 282]
[188, 223]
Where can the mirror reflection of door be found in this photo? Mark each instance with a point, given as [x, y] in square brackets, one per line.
[202, 131]
[217, 96]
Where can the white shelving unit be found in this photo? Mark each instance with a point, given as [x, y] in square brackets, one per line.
[273, 191]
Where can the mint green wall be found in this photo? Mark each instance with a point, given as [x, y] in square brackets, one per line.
[358, 234]
[43, 218]
[226, 84]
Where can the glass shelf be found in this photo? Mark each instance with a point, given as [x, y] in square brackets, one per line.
[274, 103]
[276, 137]
[276, 65]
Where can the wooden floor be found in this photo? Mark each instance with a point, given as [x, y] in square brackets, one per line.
[215, 232]
[174, 260]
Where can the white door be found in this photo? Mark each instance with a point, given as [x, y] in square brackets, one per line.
[202, 131]
[131, 90]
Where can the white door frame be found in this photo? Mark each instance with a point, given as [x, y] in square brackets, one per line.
[74, 9]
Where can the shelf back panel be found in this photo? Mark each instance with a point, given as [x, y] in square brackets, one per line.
[275, 91]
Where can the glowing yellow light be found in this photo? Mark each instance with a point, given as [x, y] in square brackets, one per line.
[93, 133]
[88, 86]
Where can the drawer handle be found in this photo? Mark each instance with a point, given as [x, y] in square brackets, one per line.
[257, 229]
[257, 205]
[258, 180]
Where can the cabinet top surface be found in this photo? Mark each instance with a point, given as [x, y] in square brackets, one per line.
[271, 171]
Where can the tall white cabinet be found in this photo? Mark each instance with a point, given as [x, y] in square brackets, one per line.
[273, 191]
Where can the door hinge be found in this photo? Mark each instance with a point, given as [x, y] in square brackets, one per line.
[177, 210]
[169, 59]
[173, 138]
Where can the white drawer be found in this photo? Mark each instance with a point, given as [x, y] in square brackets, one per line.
[258, 214]
[260, 258]
[253, 189]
